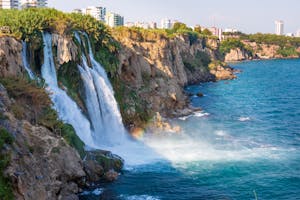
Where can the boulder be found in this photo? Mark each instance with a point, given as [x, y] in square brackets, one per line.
[106, 159]
[111, 175]
[93, 170]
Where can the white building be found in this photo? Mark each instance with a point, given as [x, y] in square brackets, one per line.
[166, 23]
[96, 12]
[230, 30]
[279, 27]
[298, 33]
[216, 32]
[290, 34]
[9, 4]
[153, 25]
[33, 3]
[113, 19]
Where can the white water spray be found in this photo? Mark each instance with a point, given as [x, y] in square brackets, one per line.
[108, 130]
[25, 61]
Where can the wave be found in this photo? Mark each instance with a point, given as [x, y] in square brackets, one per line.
[195, 114]
[244, 119]
[96, 192]
[139, 197]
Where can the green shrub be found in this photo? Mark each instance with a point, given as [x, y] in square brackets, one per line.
[229, 44]
[288, 51]
[72, 139]
[5, 185]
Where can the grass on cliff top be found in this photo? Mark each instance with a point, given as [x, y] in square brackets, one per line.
[152, 35]
[24, 23]
[5, 186]
[32, 103]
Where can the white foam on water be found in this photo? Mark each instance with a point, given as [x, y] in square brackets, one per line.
[139, 197]
[195, 114]
[96, 192]
[244, 119]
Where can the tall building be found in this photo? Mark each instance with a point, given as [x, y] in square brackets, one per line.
[153, 25]
[279, 27]
[98, 13]
[216, 32]
[9, 4]
[298, 33]
[33, 3]
[113, 19]
[166, 23]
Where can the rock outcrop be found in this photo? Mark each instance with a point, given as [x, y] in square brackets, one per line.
[10, 55]
[236, 55]
[158, 67]
[66, 48]
[42, 165]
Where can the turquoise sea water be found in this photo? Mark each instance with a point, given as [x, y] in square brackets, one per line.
[244, 145]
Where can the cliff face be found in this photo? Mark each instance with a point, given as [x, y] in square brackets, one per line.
[158, 68]
[42, 162]
[236, 55]
[42, 165]
[258, 51]
[10, 55]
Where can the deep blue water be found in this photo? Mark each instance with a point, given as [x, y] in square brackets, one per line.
[244, 145]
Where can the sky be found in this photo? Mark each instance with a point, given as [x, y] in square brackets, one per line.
[249, 16]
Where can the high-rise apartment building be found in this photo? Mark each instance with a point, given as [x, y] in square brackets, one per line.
[33, 3]
[96, 12]
[279, 27]
[166, 24]
[298, 33]
[9, 4]
[113, 19]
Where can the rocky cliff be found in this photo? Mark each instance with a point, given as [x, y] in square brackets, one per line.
[149, 83]
[39, 154]
[158, 67]
[259, 51]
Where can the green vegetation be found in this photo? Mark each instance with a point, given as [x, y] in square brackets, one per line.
[288, 51]
[279, 40]
[229, 44]
[5, 185]
[25, 23]
[69, 76]
[32, 103]
[201, 60]
[140, 115]
[287, 45]
[152, 35]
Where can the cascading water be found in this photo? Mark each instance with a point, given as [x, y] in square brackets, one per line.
[108, 130]
[102, 106]
[25, 61]
[67, 109]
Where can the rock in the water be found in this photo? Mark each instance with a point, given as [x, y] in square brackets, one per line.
[106, 159]
[111, 175]
[199, 94]
[93, 170]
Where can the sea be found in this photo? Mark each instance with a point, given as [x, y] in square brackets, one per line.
[244, 144]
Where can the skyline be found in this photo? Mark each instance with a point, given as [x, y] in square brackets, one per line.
[229, 14]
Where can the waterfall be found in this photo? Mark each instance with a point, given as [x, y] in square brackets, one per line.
[67, 109]
[25, 61]
[99, 97]
[104, 129]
